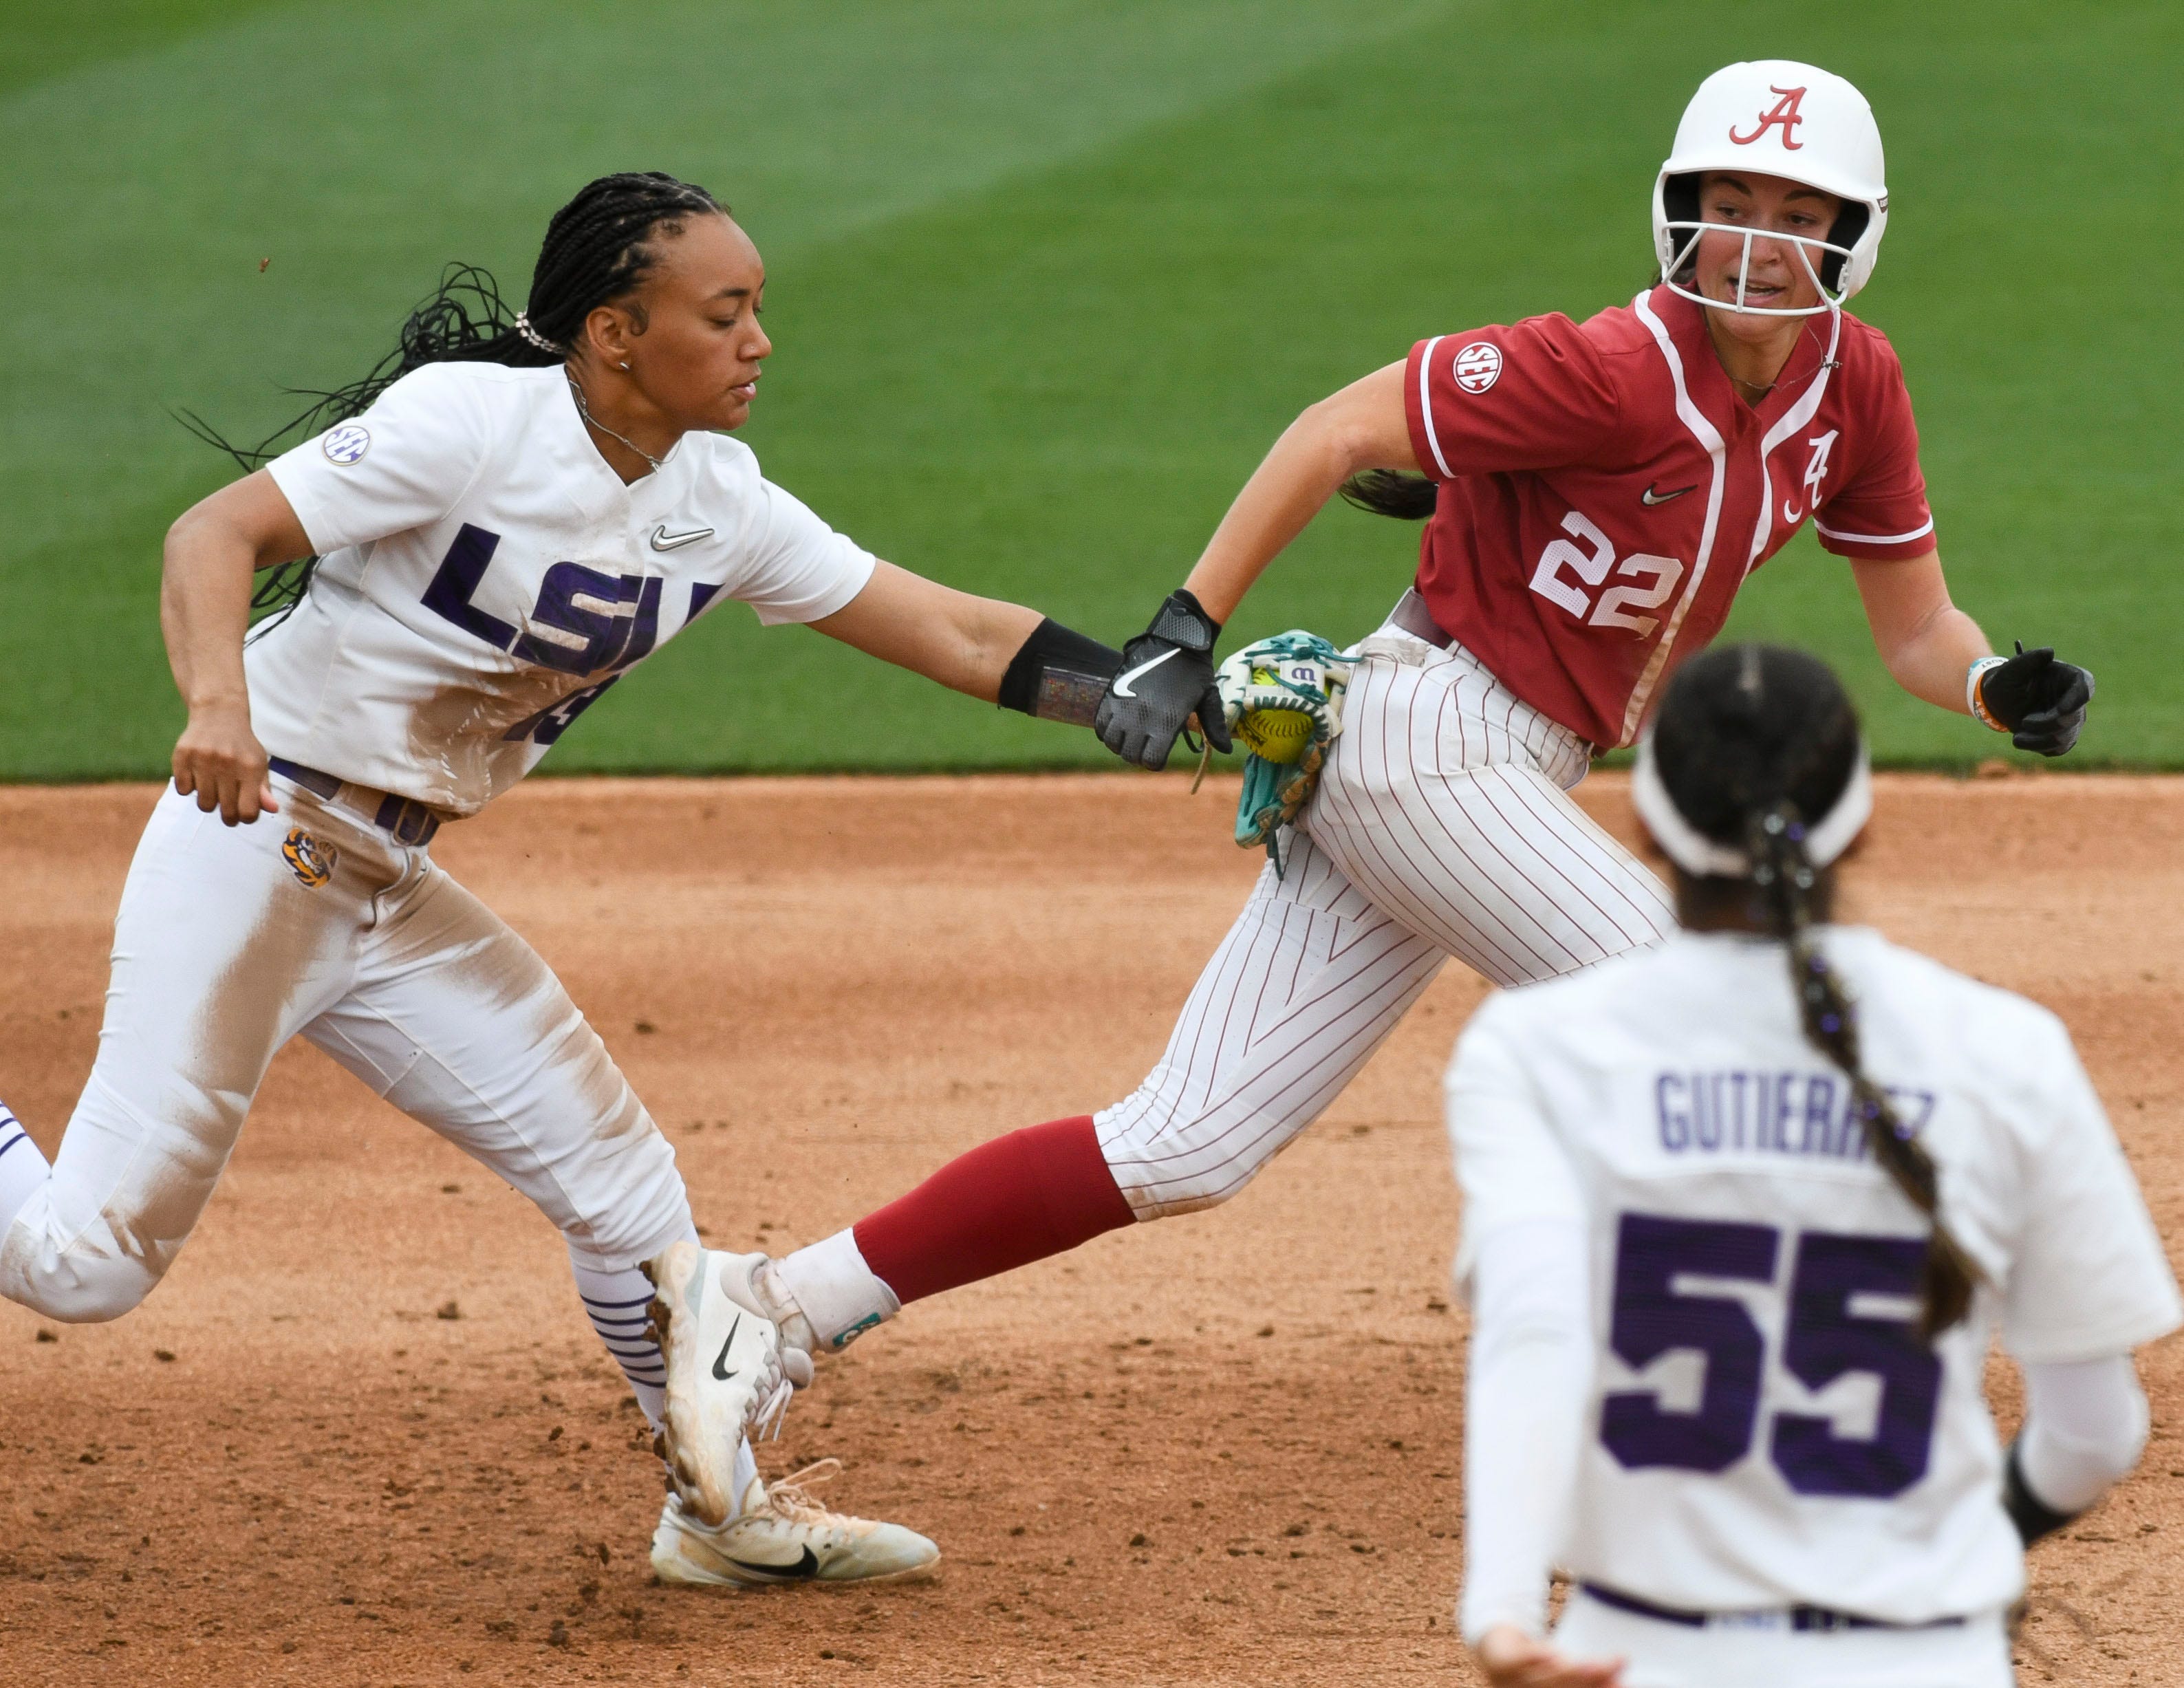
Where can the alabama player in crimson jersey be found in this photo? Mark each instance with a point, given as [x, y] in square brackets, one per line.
[1605, 487]
[1597, 492]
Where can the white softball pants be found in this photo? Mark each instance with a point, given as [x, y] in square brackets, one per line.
[223, 950]
[1441, 827]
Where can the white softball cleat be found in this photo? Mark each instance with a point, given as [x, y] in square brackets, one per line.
[783, 1535]
[724, 1371]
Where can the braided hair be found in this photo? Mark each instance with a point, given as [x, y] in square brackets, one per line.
[1753, 743]
[1392, 492]
[598, 248]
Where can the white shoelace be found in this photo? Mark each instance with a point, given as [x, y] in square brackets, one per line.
[791, 1496]
[772, 1409]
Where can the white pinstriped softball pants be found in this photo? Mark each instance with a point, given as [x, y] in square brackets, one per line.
[1442, 827]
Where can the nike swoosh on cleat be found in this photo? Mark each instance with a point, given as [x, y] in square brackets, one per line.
[803, 1570]
[662, 540]
[1122, 681]
[720, 1358]
[1650, 496]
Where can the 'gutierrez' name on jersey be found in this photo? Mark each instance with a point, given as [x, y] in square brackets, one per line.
[486, 577]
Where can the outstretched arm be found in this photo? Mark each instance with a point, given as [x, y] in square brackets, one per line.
[963, 642]
[213, 550]
[1167, 676]
[1360, 427]
[998, 651]
[1938, 653]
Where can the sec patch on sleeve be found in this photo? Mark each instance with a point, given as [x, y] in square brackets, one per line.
[1479, 366]
[346, 444]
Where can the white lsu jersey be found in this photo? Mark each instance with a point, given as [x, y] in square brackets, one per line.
[485, 576]
[1764, 1428]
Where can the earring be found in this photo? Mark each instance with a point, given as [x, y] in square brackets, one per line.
[625, 363]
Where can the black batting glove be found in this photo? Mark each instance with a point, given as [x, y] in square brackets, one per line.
[2040, 703]
[1166, 677]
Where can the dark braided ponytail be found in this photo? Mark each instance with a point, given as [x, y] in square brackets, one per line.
[1752, 743]
[598, 248]
[1392, 492]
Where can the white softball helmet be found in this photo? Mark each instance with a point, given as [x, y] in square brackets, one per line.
[1777, 117]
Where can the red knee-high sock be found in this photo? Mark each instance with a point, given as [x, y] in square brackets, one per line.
[1017, 1199]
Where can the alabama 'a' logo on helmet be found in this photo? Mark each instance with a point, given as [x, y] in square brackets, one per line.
[1785, 112]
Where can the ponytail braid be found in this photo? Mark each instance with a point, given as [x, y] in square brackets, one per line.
[1391, 492]
[1751, 741]
[1784, 877]
[597, 249]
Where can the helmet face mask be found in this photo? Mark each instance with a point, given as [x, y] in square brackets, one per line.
[1798, 122]
[1819, 260]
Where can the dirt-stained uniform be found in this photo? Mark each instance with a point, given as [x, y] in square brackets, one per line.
[484, 576]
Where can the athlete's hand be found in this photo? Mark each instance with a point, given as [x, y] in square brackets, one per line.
[219, 759]
[1167, 675]
[1512, 1659]
[2040, 702]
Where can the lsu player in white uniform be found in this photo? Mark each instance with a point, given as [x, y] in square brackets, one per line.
[505, 518]
[1741, 1215]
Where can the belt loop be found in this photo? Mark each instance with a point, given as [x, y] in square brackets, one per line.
[410, 822]
[407, 821]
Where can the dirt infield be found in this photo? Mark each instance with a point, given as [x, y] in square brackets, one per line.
[363, 1433]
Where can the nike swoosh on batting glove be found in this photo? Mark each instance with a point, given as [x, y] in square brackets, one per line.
[1167, 676]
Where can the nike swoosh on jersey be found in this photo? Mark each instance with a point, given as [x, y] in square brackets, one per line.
[662, 540]
[803, 1570]
[720, 1357]
[1650, 496]
[1122, 681]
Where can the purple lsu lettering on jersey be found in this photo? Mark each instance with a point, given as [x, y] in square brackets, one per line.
[584, 621]
[484, 576]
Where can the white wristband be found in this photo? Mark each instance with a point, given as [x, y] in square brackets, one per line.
[1973, 701]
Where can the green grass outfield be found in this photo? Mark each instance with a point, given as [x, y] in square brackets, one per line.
[1046, 278]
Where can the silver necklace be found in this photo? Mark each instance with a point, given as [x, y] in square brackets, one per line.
[590, 420]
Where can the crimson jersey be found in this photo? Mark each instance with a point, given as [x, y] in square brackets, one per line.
[1605, 491]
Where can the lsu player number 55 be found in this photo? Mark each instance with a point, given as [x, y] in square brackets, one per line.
[1741, 1215]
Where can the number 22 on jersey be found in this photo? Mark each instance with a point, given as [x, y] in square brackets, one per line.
[1824, 1339]
[1565, 571]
